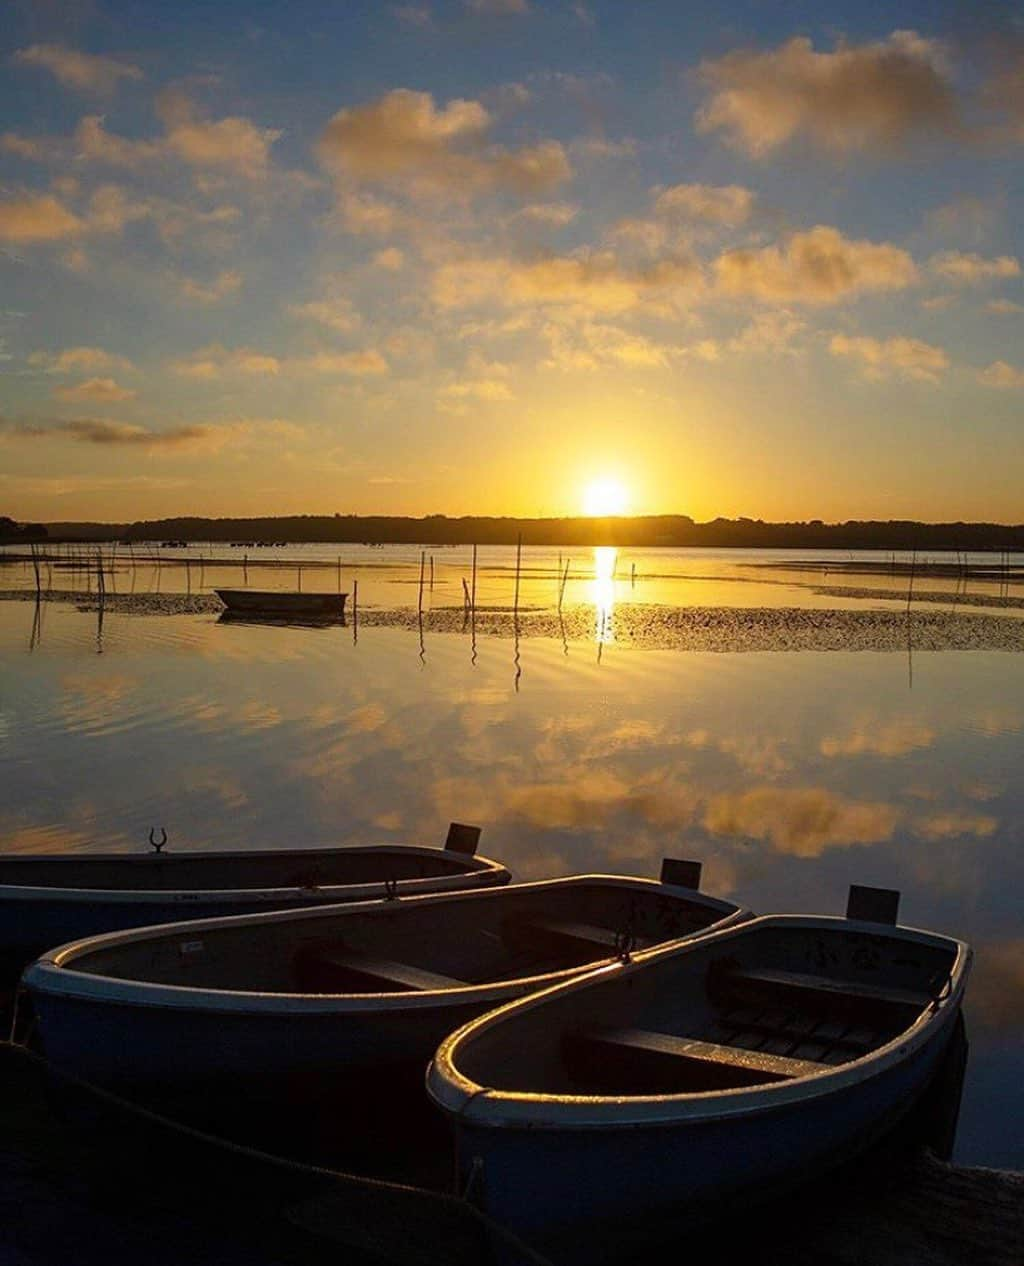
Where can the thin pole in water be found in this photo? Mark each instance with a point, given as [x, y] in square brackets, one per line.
[519, 559]
[423, 561]
[431, 573]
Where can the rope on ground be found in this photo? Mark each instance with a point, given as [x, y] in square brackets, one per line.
[441, 1200]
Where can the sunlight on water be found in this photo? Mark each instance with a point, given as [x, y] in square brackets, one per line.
[602, 593]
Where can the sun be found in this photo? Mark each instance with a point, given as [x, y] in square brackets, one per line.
[605, 496]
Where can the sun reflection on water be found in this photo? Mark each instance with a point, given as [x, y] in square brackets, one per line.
[603, 593]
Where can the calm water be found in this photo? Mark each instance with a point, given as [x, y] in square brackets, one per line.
[790, 774]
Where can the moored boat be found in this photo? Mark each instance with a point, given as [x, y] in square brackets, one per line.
[273, 1001]
[256, 602]
[46, 900]
[739, 1063]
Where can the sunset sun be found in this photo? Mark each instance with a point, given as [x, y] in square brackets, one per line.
[605, 496]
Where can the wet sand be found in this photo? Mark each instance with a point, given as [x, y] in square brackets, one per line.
[720, 629]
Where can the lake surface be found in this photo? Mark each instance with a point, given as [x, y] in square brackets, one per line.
[576, 746]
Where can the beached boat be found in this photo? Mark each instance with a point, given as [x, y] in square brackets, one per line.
[276, 1001]
[46, 900]
[256, 602]
[730, 1066]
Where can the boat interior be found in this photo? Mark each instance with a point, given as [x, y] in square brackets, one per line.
[490, 936]
[766, 1004]
[299, 868]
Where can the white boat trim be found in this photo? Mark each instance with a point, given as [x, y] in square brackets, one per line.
[54, 973]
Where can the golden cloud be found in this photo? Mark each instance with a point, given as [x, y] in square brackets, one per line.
[714, 204]
[953, 824]
[906, 357]
[973, 269]
[818, 266]
[36, 218]
[103, 432]
[596, 282]
[104, 390]
[84, 71]
[801, 821]
[867, 96]
[234, 143]
[205, 292]
[1001, 375]
[79, 360]
[404, 139]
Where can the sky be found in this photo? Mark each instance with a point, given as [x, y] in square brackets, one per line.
[477, 256]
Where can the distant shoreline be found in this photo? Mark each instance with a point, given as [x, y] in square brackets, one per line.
[627, 532]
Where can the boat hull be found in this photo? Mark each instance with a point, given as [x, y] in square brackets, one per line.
[45, 910]
[575, 1192]
[268, 602]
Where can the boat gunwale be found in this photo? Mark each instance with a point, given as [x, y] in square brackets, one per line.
[469, 866]
[50, 974]
[470, 1103]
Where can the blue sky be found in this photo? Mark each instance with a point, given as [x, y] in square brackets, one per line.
[471, 256]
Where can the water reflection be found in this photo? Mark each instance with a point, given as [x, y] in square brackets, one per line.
[602, 593]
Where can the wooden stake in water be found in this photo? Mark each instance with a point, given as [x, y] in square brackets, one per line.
[355, 610]
[339, 573]
[423, 563]
[300, 577]
[473, 587]
[632, 577]
[431, 573]
[565, 580]
[519, 559]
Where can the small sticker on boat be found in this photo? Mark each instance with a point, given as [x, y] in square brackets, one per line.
[191, 947]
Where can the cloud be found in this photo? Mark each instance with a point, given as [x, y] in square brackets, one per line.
[714, 204]
[591, 344]
[595, 282]
[404, 139]
[74, 360]
[336, 314]
[972, 269]
[102, 432]
[224, 284]
[391, 259]
[555, 214]
[416, 15]
[1003, 307]
[498, 8]
[359, 363]
[857, 97]
[93, 142]
[234, 143]
[800, 821]
[818, 266]
[1000, 374]
[36, 218]
[213, 361]
[906, 357]
[953, 824]
[105, 390]
[83, 71]
[874, 737]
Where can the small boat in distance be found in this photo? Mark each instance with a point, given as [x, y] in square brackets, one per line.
[46, 900]
[258, 1006]
[730, 1067]
[257, 602]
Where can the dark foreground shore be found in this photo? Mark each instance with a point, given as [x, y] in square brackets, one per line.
[118, 1188]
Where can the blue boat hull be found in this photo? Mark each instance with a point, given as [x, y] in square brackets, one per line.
[571, 1190]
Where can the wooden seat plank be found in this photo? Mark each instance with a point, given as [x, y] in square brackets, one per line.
[649, 1042]
[577, 935]
[855, 991]
[382, 973]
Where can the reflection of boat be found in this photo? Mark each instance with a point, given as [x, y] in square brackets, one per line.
[277, 999]
[734, 1065]
[256, 602]
[46, 900]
